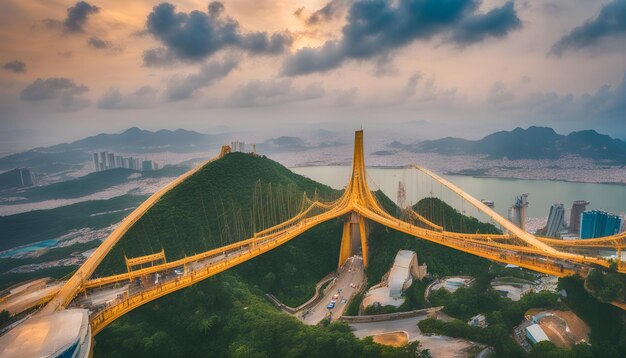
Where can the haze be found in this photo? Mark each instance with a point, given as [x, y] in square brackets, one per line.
[419, 68]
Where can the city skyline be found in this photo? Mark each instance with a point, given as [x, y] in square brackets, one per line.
[71, 69]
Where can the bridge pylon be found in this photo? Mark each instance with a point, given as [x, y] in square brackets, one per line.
[354, 236]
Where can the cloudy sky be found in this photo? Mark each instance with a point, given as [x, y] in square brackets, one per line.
[424, 67]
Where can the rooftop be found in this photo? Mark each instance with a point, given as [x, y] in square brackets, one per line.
[45, 336]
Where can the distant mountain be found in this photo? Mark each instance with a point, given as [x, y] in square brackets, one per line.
[531, 143]
[71, 156]
[291, 144]
[135, 140]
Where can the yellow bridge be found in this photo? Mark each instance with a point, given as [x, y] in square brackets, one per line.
[356, 205]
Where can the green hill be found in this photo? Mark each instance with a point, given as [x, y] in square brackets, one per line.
[214, 207]
[226, 315]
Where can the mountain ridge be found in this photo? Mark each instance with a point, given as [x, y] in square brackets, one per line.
[531, 143]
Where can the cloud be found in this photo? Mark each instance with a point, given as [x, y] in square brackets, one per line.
[496, 23]
[263, 93]
[610, 22]
[50, 88]
[344, 98]
[330, 11]
[197, 35]
[64, 91]
[179, 88]
[98, 43]
[15, 66]
[77, 16]
[377, 27]
[143, 97]
[499, 94]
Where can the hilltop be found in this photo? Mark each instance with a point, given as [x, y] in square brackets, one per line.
[531, 143]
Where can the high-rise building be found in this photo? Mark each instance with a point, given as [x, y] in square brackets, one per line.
[103, 160]
[574, 218]
[517, 212]
[556, 220]
[119, 161]
[597, 223]
[237, 146]
[96, 162]
[111, 160]
[146, 165]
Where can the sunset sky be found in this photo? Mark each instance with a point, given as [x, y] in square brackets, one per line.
[460, 67]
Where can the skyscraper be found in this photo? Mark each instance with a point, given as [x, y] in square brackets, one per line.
[119, 161]
[103, 160]
[111, 160]
[517, 212]
[96, 162]
[597, 223]
[556, 220]
[574, 219]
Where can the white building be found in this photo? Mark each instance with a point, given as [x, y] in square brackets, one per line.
[60, 334]
[535, 334]
[400, 277]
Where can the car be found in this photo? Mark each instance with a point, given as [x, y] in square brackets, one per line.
[331, 305]
[179, 272]
[343, 301]
[335, 296]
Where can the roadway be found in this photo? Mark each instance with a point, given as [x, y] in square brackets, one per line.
[439, 346]
[348, 282]
[28, 295]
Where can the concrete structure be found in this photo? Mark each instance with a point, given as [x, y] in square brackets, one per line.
[104, 161]
[535, 334]
[119, 161]
[60, 334]
[478, 321]
[556, 220]
[96, 162]
[517, 213]
[111, 161]
[400, 277]
[574, 219]
[597, 223]
[237, 146]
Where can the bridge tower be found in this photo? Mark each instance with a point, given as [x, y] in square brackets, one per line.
[359, 194]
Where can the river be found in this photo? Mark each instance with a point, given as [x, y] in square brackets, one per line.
[541, 193]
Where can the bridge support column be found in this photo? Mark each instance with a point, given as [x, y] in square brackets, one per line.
[346, 244]
[354, 233]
